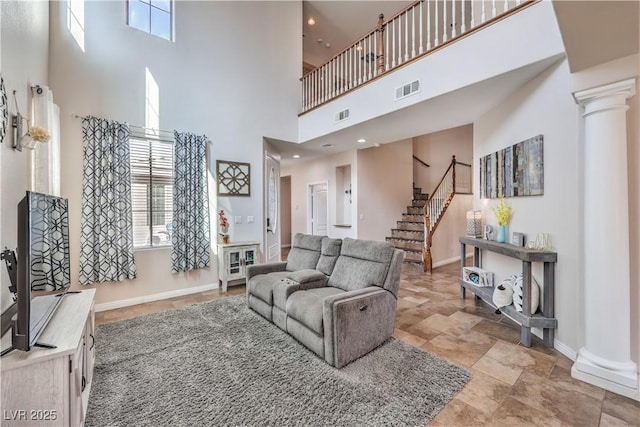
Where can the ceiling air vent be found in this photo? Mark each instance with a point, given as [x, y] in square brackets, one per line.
[408, 89]
[342, 115]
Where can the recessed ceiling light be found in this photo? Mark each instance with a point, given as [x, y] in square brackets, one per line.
[376, 145]
[361, 141]
[328, 45]
[296, 156]
[311, 21]
[319, 40]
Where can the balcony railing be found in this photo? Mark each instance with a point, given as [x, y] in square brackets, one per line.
[420, 29]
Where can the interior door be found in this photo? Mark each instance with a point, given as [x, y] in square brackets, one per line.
[272, 207]
[319, 210]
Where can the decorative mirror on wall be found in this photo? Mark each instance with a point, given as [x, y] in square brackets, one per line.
[234, 178]
[272, 218]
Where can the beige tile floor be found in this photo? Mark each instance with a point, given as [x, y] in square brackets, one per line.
[511, 386]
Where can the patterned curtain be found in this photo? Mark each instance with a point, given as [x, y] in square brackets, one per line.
[106, 243]
[190, 249]
[49, 242]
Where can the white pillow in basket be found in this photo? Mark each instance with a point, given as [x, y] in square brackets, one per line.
[518, 297]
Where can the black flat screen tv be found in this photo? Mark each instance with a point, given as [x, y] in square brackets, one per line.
[43, 266]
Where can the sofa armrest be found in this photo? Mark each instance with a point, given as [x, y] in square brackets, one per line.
[254, 270]
[300, 280]
[305, 276]
[356, 322]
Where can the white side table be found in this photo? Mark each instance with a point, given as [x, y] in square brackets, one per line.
[233, 259]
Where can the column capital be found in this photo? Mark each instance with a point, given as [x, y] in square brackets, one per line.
[626, 88]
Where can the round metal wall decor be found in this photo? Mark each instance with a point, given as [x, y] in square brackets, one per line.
[4, 111]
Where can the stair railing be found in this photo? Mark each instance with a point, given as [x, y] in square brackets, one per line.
[436, 206]
[421, 162]
[410, 34]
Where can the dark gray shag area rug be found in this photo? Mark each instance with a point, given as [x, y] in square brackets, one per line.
[219, 364]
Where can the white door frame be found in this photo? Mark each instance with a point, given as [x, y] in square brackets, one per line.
[274, 241]
[309, 210]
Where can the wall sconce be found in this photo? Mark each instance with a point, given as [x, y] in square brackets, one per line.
[16, 122]
[474, 223]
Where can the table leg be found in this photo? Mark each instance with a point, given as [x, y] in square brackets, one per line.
[547, 337]
[525, 336]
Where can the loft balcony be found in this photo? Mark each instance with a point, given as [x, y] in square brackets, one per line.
[429, 60]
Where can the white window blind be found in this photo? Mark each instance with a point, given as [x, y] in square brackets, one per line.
[151, 191]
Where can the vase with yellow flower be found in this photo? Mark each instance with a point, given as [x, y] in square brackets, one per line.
[503, 215]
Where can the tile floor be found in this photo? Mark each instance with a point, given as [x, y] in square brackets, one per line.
[511, 386]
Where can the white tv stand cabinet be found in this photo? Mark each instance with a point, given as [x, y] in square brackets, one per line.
[50, 387]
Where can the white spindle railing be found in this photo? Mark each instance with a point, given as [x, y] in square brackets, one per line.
[457, 179]
[437, 200]
[422, 27]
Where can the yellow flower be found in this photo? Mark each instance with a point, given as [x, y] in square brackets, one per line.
[39, 134]
[502, 212]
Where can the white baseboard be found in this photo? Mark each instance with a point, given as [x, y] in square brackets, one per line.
[154, 297]
[446, 261]
[565, 350]
[630, 392]
[285, 246]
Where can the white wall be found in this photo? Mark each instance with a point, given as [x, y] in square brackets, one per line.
[24, 50]
[542, 106]
[436, 150]
[304, 173]
[384, 188]
[211, 81]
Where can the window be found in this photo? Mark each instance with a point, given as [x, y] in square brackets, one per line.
[151, 192]
[151, 16]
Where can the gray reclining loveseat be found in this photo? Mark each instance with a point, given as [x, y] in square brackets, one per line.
[337, 297]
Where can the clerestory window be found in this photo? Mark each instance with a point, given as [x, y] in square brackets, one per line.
[152, 16]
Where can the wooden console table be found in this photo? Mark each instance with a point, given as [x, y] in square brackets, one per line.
[544, 320]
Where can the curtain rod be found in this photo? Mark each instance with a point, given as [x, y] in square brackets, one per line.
[133, 126]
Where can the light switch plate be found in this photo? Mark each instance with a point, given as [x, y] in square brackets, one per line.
[238, 220]
[250, 219]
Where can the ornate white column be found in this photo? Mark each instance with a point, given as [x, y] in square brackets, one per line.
[605, 359]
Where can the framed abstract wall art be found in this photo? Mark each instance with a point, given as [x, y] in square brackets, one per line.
[514, 171]
[234, 178]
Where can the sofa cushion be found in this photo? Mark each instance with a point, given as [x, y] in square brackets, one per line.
[306, 307]
[261, 286]
[329, 255]
[361, 263]
[305, 252]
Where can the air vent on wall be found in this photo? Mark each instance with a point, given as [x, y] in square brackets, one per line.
[408, 89]
[342, 115]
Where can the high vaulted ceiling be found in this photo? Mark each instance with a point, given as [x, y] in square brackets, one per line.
[339, 24]
[595, 32]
